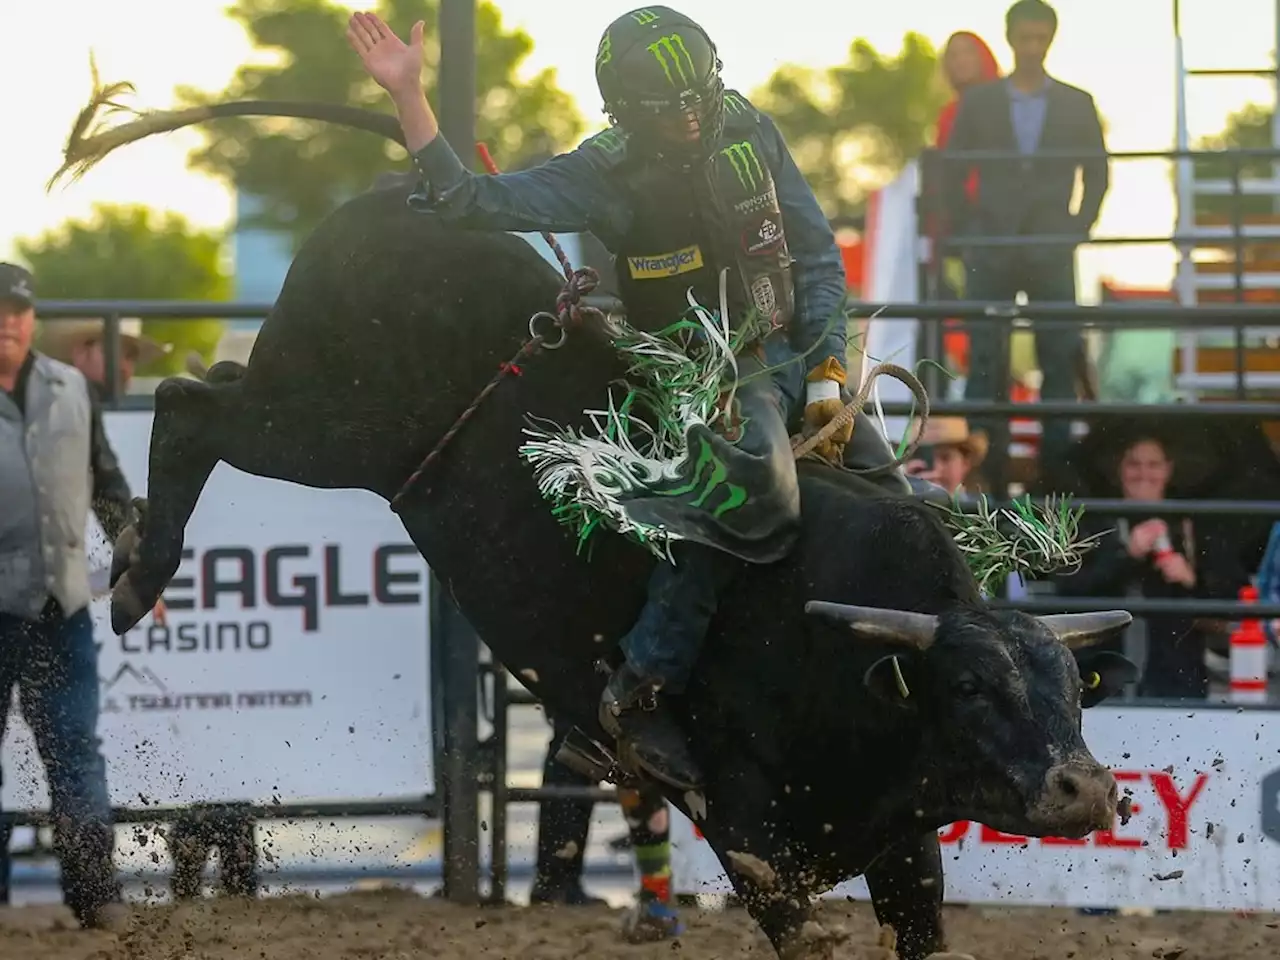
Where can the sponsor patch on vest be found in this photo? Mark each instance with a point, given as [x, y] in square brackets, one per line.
[764, 201]
[666, 264]
[763, 237]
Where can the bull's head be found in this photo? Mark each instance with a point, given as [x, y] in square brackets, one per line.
[999, 696]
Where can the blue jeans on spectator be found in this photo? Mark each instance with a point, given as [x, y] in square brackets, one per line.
[1057, 348]
[53, 662]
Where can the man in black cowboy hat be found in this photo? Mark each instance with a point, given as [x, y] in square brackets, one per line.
[689, 184]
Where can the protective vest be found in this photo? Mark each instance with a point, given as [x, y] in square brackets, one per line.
[687, 226]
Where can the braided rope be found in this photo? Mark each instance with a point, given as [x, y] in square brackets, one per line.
[570, 312]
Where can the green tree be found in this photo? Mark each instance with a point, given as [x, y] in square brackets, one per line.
[303, 169]
[852, 127]
[130, 252]
[1247, 129]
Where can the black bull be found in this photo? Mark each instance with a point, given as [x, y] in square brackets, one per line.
[825, 756]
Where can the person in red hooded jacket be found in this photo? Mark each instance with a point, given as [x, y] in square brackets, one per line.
[966, 62]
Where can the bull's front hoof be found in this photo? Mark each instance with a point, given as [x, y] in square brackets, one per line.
[125, 553]
[127, 607]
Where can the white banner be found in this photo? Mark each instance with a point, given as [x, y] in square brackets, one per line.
[892, 266]
[1204, 831]
[292, 664]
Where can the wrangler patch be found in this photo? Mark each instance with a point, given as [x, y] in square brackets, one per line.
[666, 264]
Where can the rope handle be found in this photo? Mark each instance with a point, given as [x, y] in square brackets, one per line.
[802, 447]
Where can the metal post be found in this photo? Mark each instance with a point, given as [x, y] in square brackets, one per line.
[458, 656]
[1237, 252]
[457, 87]
[1275, 114]
[111, 357]
[500, 790]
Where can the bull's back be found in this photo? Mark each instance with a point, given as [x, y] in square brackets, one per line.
[387, 325]
[380, 301]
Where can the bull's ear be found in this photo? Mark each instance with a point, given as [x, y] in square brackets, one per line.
[1104, 674]
[891, 678]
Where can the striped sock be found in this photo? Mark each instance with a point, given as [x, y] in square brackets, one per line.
[654, 861]
[652, 847]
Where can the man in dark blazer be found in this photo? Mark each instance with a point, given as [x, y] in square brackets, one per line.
[1028, 114]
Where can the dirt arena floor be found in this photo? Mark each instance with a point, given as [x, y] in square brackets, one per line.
[397, 925]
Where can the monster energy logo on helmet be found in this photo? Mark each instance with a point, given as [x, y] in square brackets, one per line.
[672, 55]
[655, 69]
[742, 156]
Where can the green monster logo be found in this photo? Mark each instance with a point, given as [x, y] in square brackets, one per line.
[668, 51]
[745, 164]
[605, 53]
[607, 141]
[645, 17]
[718, 472]
[734, 104]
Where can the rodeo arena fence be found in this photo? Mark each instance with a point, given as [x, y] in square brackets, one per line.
[338, 661]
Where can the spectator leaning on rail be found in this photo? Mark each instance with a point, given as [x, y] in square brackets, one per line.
[1026, 113]
[54, 465]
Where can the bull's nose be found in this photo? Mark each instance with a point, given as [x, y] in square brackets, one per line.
[1078, 798]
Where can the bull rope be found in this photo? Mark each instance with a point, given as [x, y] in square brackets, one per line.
[570, 312]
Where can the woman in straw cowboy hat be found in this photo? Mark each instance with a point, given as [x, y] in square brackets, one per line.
[954, 451]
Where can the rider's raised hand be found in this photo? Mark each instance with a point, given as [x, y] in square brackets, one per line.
[394, 64]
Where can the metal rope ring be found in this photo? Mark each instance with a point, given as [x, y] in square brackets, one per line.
[546, 344]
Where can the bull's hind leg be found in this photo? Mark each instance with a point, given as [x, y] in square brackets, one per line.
[191, 417]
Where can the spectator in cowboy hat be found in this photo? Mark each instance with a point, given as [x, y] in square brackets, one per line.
[953, 454]
[80, 344]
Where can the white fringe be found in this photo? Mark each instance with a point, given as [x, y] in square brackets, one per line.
[620, 454]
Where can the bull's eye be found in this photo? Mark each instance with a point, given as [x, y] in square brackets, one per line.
[966, 688]
[1093, 680]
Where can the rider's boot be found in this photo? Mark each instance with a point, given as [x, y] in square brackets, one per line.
[632, 714]
[661, 650]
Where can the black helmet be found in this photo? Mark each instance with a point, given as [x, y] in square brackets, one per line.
[660, 79]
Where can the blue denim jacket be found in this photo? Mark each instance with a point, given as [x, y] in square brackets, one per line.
[571, 193]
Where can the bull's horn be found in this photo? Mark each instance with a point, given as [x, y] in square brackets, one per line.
[876, 623]
[1079, 630]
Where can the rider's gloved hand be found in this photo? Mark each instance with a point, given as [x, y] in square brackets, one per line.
[823, 403]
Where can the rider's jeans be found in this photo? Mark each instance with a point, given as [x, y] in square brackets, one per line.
[664, 643]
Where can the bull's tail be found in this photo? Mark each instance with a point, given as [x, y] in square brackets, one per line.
[90, 141]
